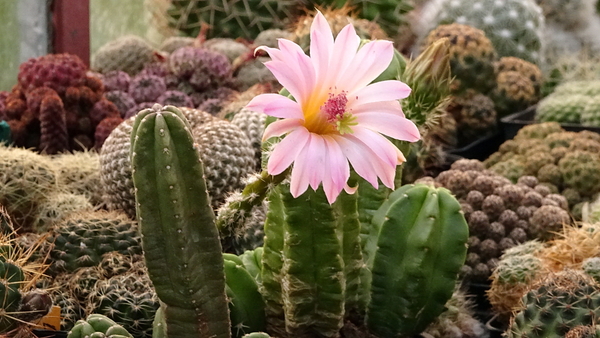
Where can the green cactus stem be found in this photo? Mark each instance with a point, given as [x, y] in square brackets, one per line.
[180, 240]
[272, 263]
[313, 267]
[421, 247]
[246, 306]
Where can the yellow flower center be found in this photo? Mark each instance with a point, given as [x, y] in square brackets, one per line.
[329, 115]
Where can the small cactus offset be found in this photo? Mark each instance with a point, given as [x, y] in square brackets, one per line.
[180, 239]
[100, 326]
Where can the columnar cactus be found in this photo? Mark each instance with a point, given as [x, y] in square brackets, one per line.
[176, 220]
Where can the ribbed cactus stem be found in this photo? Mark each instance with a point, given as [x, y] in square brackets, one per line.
[346, 214]
[238, 207]
[272, 263]
[313, 280]
[180, 240]
[420, 250]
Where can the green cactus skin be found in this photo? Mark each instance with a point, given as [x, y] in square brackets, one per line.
[11, 279]
[257, 335]
[313, 267]
[180, 240]
[369, 201]
[252, 260]
[96, 325]
[246, 306]
[346, 214]
[421, 248]
[272, 262]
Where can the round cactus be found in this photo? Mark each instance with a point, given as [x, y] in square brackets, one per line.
[562, 109]
[147, 88]
[81, 239]
[128, 53]
[515, 27]
[56, 71]
[472, 56]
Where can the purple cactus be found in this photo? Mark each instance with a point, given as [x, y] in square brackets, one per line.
[121, 99]
[202, 67]
[147, 88]
[116, 80]
[175, 98]
[137, 108]
[156, 68]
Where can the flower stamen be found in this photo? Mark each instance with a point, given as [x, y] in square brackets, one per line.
[337, 114]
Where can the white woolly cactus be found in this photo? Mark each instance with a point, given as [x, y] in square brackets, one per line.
[515, 27]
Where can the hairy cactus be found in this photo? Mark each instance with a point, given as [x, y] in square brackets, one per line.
[55, 71]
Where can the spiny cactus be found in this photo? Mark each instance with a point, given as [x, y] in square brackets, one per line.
[515, 27]
[227, 18]
[128, 53]
[81, 239]
[472, 56]
[555, 305]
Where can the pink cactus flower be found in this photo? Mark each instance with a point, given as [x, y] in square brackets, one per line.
[337, 117]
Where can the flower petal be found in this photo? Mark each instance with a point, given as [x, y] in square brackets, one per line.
[389, 107]
[302, 65]
[379, 91]
[366, 160]
[337, 170]
[301, 170]
[290, 77]
[346, 43]
[321, 45]
[276, 105]
[392, 125]
[378, 144]
[286, 151]
[281, 127]
[358, 159]
[370, 61]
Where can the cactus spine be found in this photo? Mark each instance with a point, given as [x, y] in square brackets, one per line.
[180, 239]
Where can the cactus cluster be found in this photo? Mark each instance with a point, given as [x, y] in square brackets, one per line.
[56, 106]
[575, 248]
[574, 102]
[565, 162]
[484, 88]
[500, 214]
[515, 27]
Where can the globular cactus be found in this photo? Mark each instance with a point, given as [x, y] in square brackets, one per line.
[176, 222]
[242, 19]
[515, 27]
[55, 71]
[128, 53]
[555, 305]
[81, 239]
[471, 58]
[97, 325]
